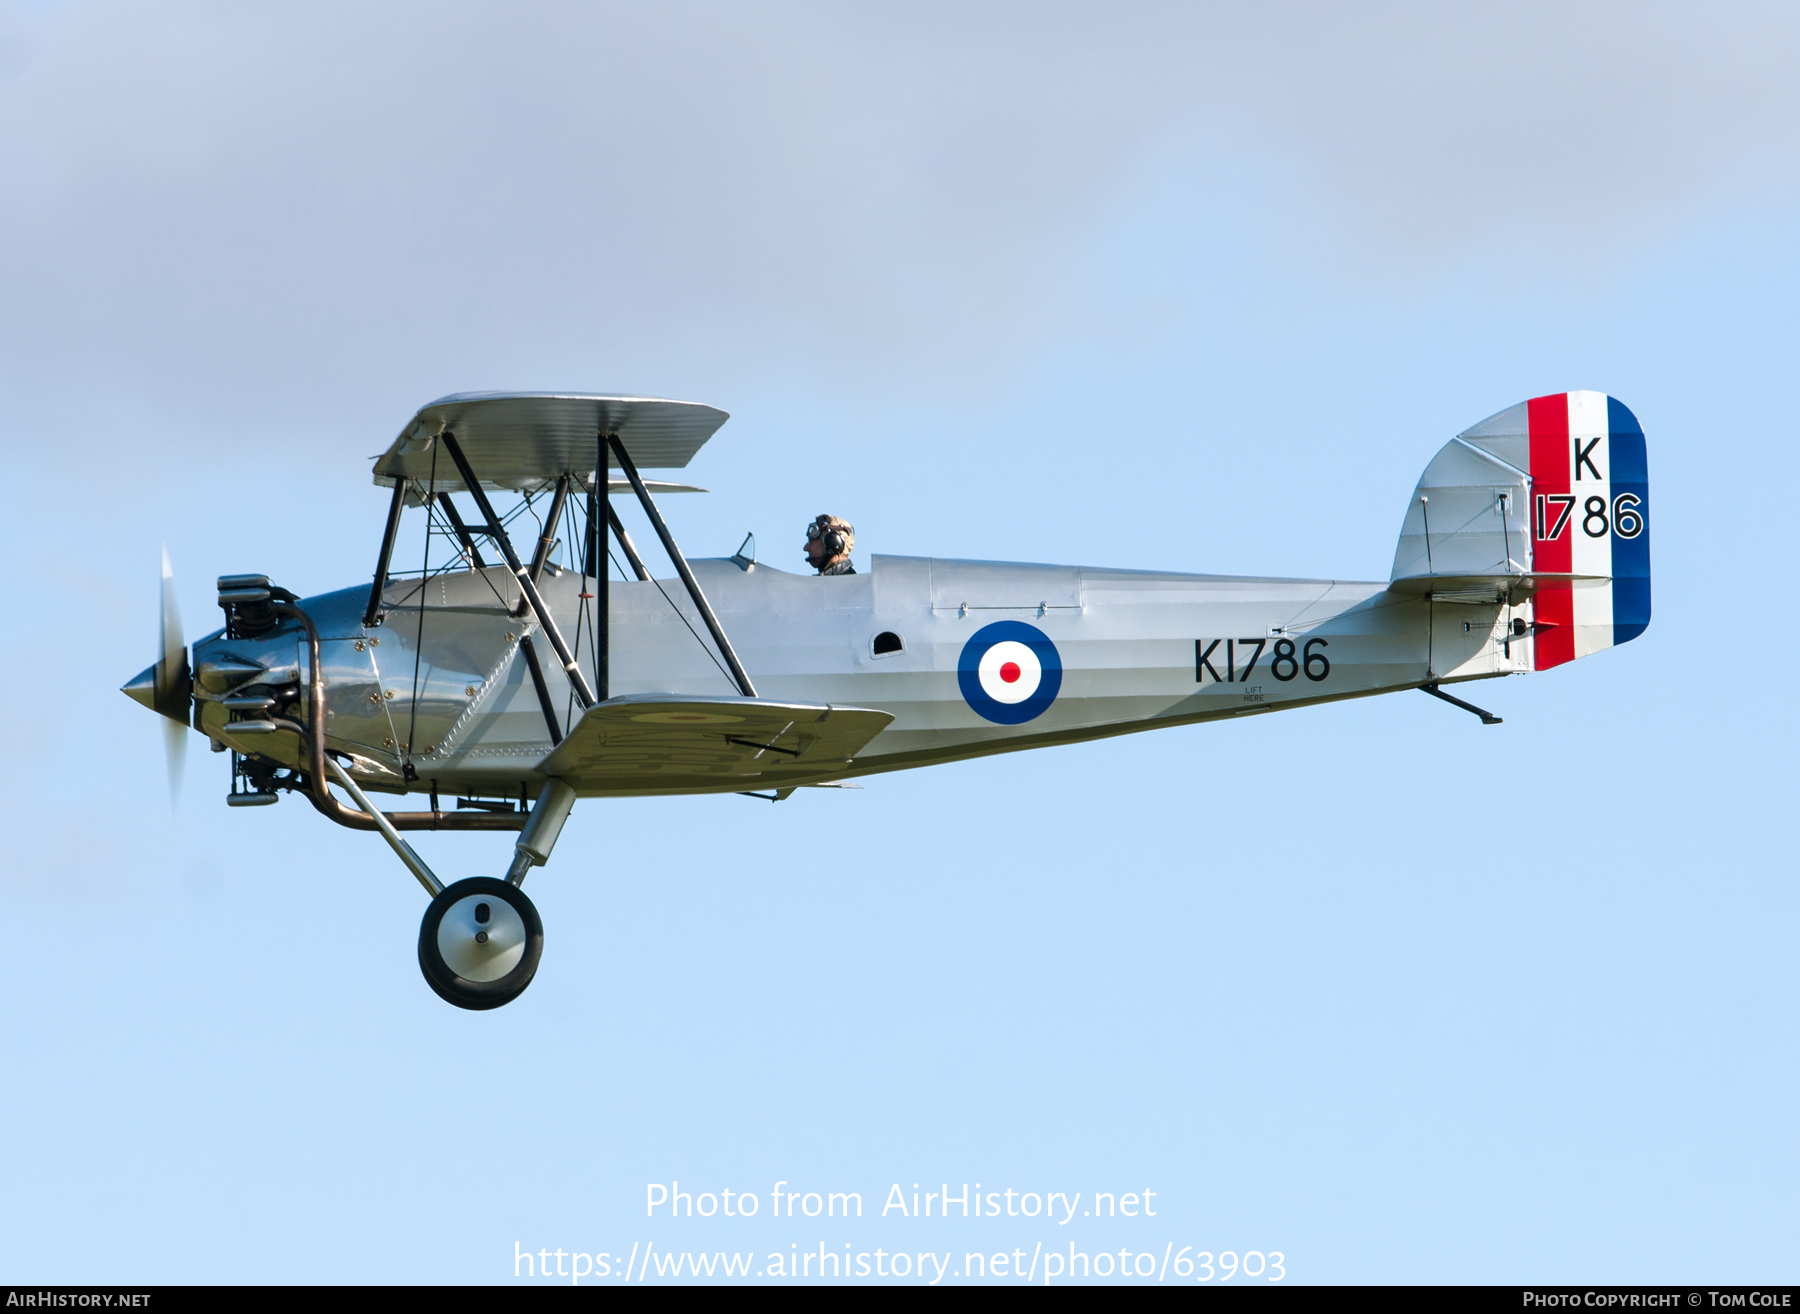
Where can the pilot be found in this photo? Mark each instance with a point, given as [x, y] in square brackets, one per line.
[828, 543]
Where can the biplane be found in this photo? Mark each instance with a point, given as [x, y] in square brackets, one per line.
[539, 661]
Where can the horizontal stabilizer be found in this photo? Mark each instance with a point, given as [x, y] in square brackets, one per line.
[1490, 589]
[672, 741]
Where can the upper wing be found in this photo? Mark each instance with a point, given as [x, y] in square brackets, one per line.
[667, 742]
[521, 440]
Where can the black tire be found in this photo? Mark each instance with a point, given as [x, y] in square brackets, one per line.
[480, 977]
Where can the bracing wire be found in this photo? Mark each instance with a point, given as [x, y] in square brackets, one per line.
[704, 647]
[460, 557]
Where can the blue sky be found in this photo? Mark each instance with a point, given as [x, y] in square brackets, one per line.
[1400, 996]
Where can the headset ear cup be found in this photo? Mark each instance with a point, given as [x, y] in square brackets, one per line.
[834, 542]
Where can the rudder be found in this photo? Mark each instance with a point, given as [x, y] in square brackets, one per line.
[1566, 517]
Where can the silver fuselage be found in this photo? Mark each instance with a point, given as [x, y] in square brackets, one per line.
[440, 686]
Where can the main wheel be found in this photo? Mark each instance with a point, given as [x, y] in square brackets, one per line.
[480, 943]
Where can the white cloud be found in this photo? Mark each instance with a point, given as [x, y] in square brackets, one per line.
[355, 200]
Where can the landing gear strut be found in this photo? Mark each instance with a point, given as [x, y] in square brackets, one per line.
[481, 939]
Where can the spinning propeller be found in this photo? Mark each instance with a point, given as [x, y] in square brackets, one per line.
[167, 687]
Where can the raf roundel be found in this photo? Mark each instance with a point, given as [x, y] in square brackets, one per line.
[1009, 672]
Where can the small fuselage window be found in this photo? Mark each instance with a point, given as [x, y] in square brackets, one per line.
[887, 641]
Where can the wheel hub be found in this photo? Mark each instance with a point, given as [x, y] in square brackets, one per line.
[481, 938]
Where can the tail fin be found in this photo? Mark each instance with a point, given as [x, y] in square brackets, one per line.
[1548, 500]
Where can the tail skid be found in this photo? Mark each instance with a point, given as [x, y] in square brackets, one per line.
[1487, 718]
